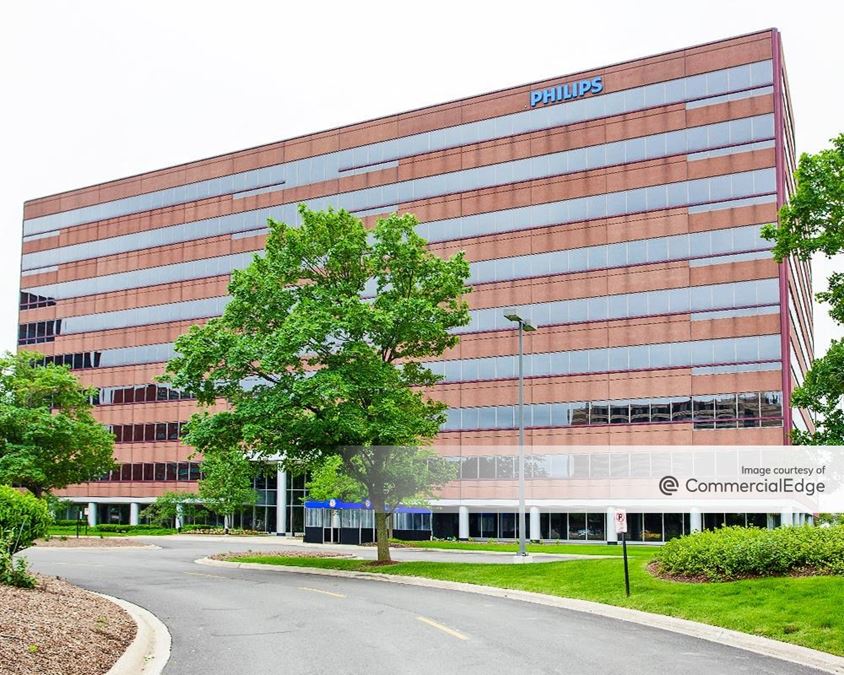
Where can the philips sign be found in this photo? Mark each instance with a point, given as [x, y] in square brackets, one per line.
[567, 92]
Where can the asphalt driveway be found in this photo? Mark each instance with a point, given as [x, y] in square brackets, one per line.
[239, 621]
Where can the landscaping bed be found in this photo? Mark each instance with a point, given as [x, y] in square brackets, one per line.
[281, 554]
[732, 553]
[59, 629]
[233, 532]
[87, 542]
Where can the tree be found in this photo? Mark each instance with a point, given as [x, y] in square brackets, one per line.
[392, 476]
[813, 222]
[48, 437]
[328, 481]
[170, 505]
[321, 348]
[226, 483]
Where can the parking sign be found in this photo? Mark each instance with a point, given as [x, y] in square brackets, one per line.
[620, 521]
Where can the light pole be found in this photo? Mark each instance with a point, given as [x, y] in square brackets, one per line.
[523, 326]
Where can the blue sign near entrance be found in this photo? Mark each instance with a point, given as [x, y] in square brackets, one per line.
[567, 92]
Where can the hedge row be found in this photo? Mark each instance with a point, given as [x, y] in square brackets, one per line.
[112, 527]
[108, 527]
[205, 529]
[738, 552]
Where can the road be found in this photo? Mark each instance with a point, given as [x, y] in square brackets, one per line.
[236, 621]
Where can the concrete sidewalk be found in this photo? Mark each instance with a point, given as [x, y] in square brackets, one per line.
[370, 553]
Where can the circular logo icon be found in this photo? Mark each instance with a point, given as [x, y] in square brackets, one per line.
[668, 485]
[332, 503]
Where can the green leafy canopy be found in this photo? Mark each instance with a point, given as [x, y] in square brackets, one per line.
[307, 362]
[813, 222]
[48, 436]
[321, 348]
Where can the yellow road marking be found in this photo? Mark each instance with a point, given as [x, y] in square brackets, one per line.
[319, 590]
[444, 629]
[200, 574]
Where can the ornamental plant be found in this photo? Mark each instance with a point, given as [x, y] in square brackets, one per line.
[731, 553]
[23, 519]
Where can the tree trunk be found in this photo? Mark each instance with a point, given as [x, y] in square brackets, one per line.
[225, 524]
[382, 536]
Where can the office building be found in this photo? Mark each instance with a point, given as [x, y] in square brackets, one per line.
[618, 209]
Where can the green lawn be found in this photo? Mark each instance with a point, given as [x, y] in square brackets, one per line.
[579, 549]
[70, 532]
[805, 611]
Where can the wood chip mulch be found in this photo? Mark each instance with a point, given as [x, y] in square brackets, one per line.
[60, 629]
[284, 554]
[654, 570]
[88, 542]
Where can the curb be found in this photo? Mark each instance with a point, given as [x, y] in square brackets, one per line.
[150, 650]
[784, 651]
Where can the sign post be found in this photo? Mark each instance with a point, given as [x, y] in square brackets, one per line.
[621, 528]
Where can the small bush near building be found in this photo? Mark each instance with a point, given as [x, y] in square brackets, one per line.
[66, 523]
[116, 527]
[23, 519]
[205, 529]
[732, 553]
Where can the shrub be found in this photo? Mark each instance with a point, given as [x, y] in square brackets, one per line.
[116, 527]
[737, 552]
[23, 519]
[14, 572]
[206, 529]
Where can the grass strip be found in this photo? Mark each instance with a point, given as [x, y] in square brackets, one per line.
[502, 547]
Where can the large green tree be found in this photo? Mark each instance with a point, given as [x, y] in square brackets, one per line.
[321, 348]
[48, 437]
[226, 485]
[812, 222]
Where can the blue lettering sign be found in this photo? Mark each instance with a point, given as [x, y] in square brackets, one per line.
[566, 92]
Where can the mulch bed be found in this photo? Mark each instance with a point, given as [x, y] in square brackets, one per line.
[283, 554]
[60, 629]
[88, 542]
[653, 568]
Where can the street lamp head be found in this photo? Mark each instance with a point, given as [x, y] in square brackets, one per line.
[519, 320]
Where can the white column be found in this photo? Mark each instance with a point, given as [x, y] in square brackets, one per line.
[463, 523]
[92, 514]
[612, 536]
[786, 517]
[180, 517]
[535, 525]
[134, 513]
[281, 502]
[695, 524]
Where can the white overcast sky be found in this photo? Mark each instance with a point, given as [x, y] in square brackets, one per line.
[93, 91]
